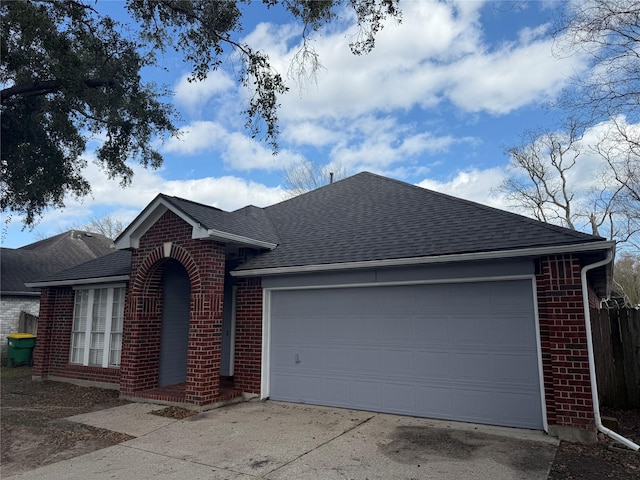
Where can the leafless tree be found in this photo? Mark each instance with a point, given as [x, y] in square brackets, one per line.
[538, 169]
[607, 33]
[108, 225]
[543, 182]
[307, 175]
[627, 279]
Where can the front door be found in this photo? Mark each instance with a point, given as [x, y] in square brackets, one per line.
[174, 338]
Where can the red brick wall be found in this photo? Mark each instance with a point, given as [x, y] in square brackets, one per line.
[564, 343]
[248, 343]
[204, 262]
[51, 355]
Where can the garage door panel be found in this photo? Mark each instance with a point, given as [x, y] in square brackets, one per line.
[435, 401]
[513, 407]
[362, 330]
[468, 331]
[397, 362]
[364, 361]
[474, 405]
[473, 366]
[443, 351]
[512, 330]
[431, 330]
[337, 391]
[515, 368]
[430, 365]
[396, 329]
[283, 357]
[366, 394]
[398, 398]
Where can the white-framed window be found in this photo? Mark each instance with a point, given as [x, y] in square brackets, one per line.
[96, 335]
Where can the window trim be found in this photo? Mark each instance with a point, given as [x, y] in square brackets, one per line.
[88, 328]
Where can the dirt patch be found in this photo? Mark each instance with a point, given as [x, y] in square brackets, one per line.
[33, 429]
[174, 412]
[606, 459]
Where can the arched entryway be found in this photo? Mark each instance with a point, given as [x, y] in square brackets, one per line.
[174, 336]
[174, 322]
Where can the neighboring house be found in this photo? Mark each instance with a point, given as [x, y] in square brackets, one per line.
[368, 293]
[37, 260]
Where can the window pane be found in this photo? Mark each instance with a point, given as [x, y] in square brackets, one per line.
[77, 347]
[99, 310]
[117, 315]
[80, 311]
[115, 349]
[97, 347]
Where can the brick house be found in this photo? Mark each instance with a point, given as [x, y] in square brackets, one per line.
[37, 260]
[368, 293]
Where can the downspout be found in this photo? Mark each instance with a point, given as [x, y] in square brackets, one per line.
[592, 364]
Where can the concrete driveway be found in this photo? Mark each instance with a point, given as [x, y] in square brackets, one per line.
[273, 440]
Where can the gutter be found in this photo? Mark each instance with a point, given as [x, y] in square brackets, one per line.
[592, 364]
[79, 281]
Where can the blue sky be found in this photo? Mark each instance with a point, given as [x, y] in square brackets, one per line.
[434, 105]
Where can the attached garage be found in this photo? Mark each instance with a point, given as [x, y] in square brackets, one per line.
[464, 351]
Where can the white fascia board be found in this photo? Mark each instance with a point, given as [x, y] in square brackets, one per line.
[237, 239]
[149, 216]
[81, 281]
[398, 262]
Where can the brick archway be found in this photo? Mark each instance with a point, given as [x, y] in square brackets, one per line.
[148, 274]
[205, 265]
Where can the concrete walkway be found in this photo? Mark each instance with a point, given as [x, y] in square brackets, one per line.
[272, 440]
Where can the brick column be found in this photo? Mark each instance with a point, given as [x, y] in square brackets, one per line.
[248, 346]
[51, 352]
[564, 347]
[140, 343]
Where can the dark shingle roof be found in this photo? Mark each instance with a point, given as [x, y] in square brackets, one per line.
[43, 258]
[115, 264]
[362, 218]
[368, 217]
[250, 222]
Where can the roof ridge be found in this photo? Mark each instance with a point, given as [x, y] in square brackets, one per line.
[193, 202]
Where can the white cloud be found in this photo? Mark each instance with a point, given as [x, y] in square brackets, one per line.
[508, 79]
[194, 95]
[225, 192]
[472, 184]
[438, 53]
[384, 146]
[197, 137]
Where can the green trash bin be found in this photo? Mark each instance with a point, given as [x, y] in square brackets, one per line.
[20, 349]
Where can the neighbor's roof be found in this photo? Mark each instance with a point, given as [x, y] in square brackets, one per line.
[43, 258]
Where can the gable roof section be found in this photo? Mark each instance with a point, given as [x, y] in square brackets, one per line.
[242, 227]
[369, 218]
[22, 265]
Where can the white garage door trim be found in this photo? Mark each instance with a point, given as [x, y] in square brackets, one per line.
[266, 322]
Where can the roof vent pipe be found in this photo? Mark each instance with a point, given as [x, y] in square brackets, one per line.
[330, 177]
[592, 364]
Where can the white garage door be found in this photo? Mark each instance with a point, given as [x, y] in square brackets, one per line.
[463, 351]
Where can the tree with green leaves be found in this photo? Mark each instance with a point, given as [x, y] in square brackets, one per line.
[69, 74]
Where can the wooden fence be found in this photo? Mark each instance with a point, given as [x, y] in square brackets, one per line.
[616, 345]
[27, 323]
